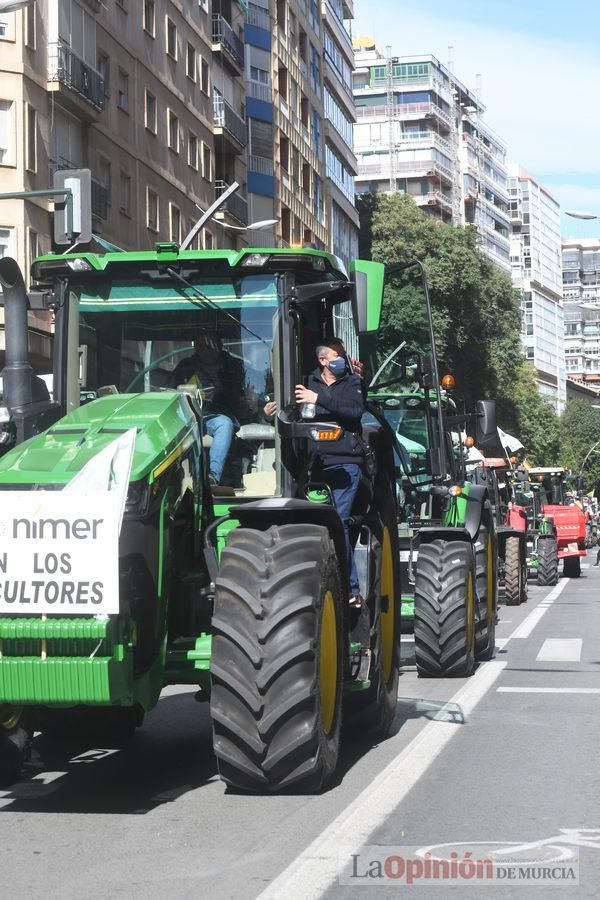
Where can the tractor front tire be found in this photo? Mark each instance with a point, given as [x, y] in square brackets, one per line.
[547, 571]
[278, 659]
[15, 742]
[572, 566]
[513, 572]
[487, 589]
[445, 609]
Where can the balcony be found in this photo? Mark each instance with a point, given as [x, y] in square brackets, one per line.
[405, 111]
[433, 198]
[261, 164]
[225, 39]
[68, 69]
[230, 124]
[236, 206]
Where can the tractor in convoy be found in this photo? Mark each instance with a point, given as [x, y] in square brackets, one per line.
[497, 473]
[558, 531]
[447, 535]
[239, 588]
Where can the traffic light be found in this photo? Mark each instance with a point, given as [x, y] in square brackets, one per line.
[79, 229]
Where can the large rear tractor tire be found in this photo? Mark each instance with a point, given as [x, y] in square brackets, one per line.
[547, 571]
[278, 659]
[376, 706]
[445, 609]
[15, 741]
[513, 572]
[486, 563]
[572, 566]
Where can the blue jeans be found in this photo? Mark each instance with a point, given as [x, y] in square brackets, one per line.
[344, 482]
[220, 429]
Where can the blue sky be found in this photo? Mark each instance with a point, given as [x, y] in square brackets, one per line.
[540, 67]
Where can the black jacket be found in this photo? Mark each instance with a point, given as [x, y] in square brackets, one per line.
[343, 403]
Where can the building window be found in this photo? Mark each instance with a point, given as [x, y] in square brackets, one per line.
[30, 22]
[123, 91]
[123, 4]
[173, 135]
[4, 26]
[151, 209]
[32, 245]
[103, 66]
[206, 162]
[124, 193]
[150, 17]
[175, 222]
[150, 112]
[192, 150]
[31, 139]
[190, 64]
[6, 241]
[204, 77]
[7, 133]
[171, 39]
[104, 176]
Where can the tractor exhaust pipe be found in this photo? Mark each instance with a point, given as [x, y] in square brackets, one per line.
[17, 372]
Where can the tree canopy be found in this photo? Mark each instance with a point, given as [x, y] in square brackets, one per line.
[580, 429]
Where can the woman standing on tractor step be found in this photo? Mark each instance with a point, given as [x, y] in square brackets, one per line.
[338, 395]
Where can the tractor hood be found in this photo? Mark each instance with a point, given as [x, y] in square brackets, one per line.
[162, 420]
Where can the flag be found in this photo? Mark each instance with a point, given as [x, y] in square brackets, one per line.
[509, 442]
[109, 470]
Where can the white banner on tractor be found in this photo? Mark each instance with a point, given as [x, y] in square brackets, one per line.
[59, 550]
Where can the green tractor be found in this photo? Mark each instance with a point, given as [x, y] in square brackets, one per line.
[238, 587]
[447, 536]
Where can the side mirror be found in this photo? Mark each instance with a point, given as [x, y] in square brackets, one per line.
[487, 429]
[367, 295]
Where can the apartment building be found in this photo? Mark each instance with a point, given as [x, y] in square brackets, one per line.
[420, 131]
[300, 113]
[125, 89]
[581, 292]
[535, 254]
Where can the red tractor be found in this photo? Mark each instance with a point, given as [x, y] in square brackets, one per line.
[511, 527]
[565, 531]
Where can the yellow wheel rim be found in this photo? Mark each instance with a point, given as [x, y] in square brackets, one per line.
[9, 716]
[328, 662]
[388, 618]
[470, 611]
[490, 580]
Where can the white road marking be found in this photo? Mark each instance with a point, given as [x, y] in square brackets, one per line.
[310, 875]
[528, 624]
[546, 690]
[560, 650]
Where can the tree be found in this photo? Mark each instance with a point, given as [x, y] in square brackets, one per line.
[476, 311]
[579, 431]
[533, 419]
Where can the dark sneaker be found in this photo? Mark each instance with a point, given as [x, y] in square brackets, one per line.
[220, 490]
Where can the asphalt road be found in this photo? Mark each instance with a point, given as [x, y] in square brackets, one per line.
[488, 764]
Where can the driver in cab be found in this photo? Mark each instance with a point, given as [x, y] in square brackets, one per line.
[220, 378]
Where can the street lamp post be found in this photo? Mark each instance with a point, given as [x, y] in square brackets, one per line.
[587, 456]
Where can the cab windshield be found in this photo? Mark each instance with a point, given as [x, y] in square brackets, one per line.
[144, 336]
